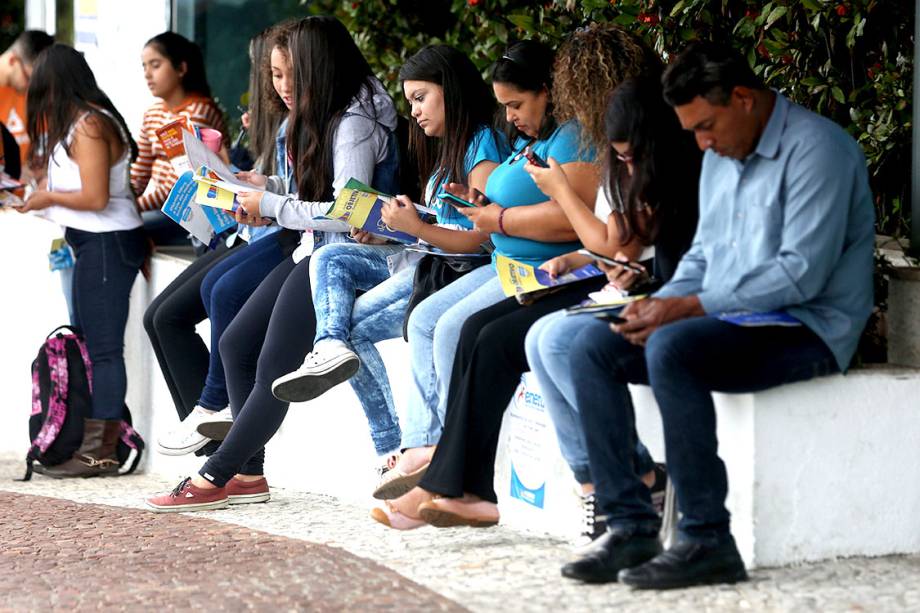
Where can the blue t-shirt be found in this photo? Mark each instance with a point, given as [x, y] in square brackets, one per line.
[486, 144]
[509, 185]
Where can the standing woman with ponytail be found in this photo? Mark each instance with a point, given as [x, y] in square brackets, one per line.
[88, 152]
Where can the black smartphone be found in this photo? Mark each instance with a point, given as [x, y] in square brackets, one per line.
[609, 316]
[455, 200]
[612, 261]
[534, 159]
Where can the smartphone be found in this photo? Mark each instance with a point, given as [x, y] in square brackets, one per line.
[609, 316]
[613, 262]
[534, 159]
[455, 200]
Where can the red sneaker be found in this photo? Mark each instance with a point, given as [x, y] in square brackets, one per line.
[187, 497]
[246, 492]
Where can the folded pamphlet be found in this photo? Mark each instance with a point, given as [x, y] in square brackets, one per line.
[428, 249]
[204, 223]
[359, 206]
[521, 280]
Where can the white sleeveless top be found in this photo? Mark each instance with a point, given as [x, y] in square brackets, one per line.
[64, 176]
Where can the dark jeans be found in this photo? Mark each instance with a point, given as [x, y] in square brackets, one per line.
[270, 336]
[170, 322]
[224, 290]
[684, 362]
[164, 231]
[487, 368]
[105, 269]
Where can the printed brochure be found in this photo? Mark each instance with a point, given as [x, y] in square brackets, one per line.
[204, 223]
[359, 206]
[523, 280]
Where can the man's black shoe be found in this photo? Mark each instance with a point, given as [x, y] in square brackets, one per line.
[613, 552]
[687, 564]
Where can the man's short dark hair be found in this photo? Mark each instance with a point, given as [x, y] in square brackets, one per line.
[710, 70]
[30, 43]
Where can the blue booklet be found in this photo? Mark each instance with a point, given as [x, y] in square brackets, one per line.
[202, 222]
[750, 319]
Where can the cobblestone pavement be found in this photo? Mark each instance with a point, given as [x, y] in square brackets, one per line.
[483, 570]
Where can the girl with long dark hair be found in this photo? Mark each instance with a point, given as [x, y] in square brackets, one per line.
[87, 152]
[216, 285]
[174, 71]
[341, 126]
[452, 141]
[652, 173]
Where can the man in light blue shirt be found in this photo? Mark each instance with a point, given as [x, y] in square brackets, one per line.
[785, 236]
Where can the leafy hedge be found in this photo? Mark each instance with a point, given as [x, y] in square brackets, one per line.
[850, 60]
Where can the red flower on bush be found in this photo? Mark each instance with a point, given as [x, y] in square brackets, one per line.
[842, 10]
[472, 2]
[649, 18]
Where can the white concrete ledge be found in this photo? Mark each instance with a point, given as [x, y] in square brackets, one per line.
[817, 470]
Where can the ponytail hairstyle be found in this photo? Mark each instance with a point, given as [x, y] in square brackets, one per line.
[178, 50]
[62, 89]
[665, 160]
[329, 72]
[527, 66]
[468, 105]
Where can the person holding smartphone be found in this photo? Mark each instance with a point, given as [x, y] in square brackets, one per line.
[651, 180]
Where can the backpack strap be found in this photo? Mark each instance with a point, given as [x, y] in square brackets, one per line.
[57, 399]
[72, 329]
[131, 438]
[30, 460]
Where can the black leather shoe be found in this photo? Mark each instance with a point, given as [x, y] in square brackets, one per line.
[615, 551]
[687, 564]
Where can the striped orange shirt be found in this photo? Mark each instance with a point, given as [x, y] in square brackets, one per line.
[152, 175]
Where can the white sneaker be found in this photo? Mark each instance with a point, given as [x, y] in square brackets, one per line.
[331, 362]
[185, 438]
[216, 426]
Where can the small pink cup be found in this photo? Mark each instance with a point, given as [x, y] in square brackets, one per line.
[211, 138]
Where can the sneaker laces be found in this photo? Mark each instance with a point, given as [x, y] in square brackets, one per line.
[177, 491]
[589, 516]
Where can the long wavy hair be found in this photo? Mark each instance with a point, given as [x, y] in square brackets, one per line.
[329, 72]
[665, 159]
[178, 49]
[590, 64]
[468, 106]
[62, 89]
[527, 66]
[266, 110]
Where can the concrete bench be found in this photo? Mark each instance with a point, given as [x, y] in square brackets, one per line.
[816, 470]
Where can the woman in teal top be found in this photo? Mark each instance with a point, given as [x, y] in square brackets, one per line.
[525, 225]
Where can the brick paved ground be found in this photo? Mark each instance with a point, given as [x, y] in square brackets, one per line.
[65, 555]
[483, 570]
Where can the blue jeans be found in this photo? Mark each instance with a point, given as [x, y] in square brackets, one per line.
[224, 291]
[337, 272]
[548, 344]
[434, 330]
[105, 269]
[684, 362]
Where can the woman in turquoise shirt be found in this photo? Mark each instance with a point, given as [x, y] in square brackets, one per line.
[524, 224]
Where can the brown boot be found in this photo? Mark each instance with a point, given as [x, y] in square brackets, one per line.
[96, 455]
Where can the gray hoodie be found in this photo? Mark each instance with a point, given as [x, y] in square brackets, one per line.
[360, 143]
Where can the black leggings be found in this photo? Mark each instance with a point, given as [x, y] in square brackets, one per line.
[487, 369]
[269, 337]
[170, 322]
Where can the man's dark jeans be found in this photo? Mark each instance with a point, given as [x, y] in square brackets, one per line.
[683, 362]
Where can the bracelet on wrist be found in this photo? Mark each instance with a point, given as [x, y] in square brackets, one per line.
[501, 225]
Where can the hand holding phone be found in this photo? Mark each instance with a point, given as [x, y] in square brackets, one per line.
[613, 261]
[610, 317]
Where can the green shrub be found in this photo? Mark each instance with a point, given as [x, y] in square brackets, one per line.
[849, 60]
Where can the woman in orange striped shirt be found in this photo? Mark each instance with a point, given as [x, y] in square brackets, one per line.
[174, 70]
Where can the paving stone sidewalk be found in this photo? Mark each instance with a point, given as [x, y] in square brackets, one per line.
[482, 570]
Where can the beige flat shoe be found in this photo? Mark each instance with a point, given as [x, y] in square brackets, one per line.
[451, 512]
